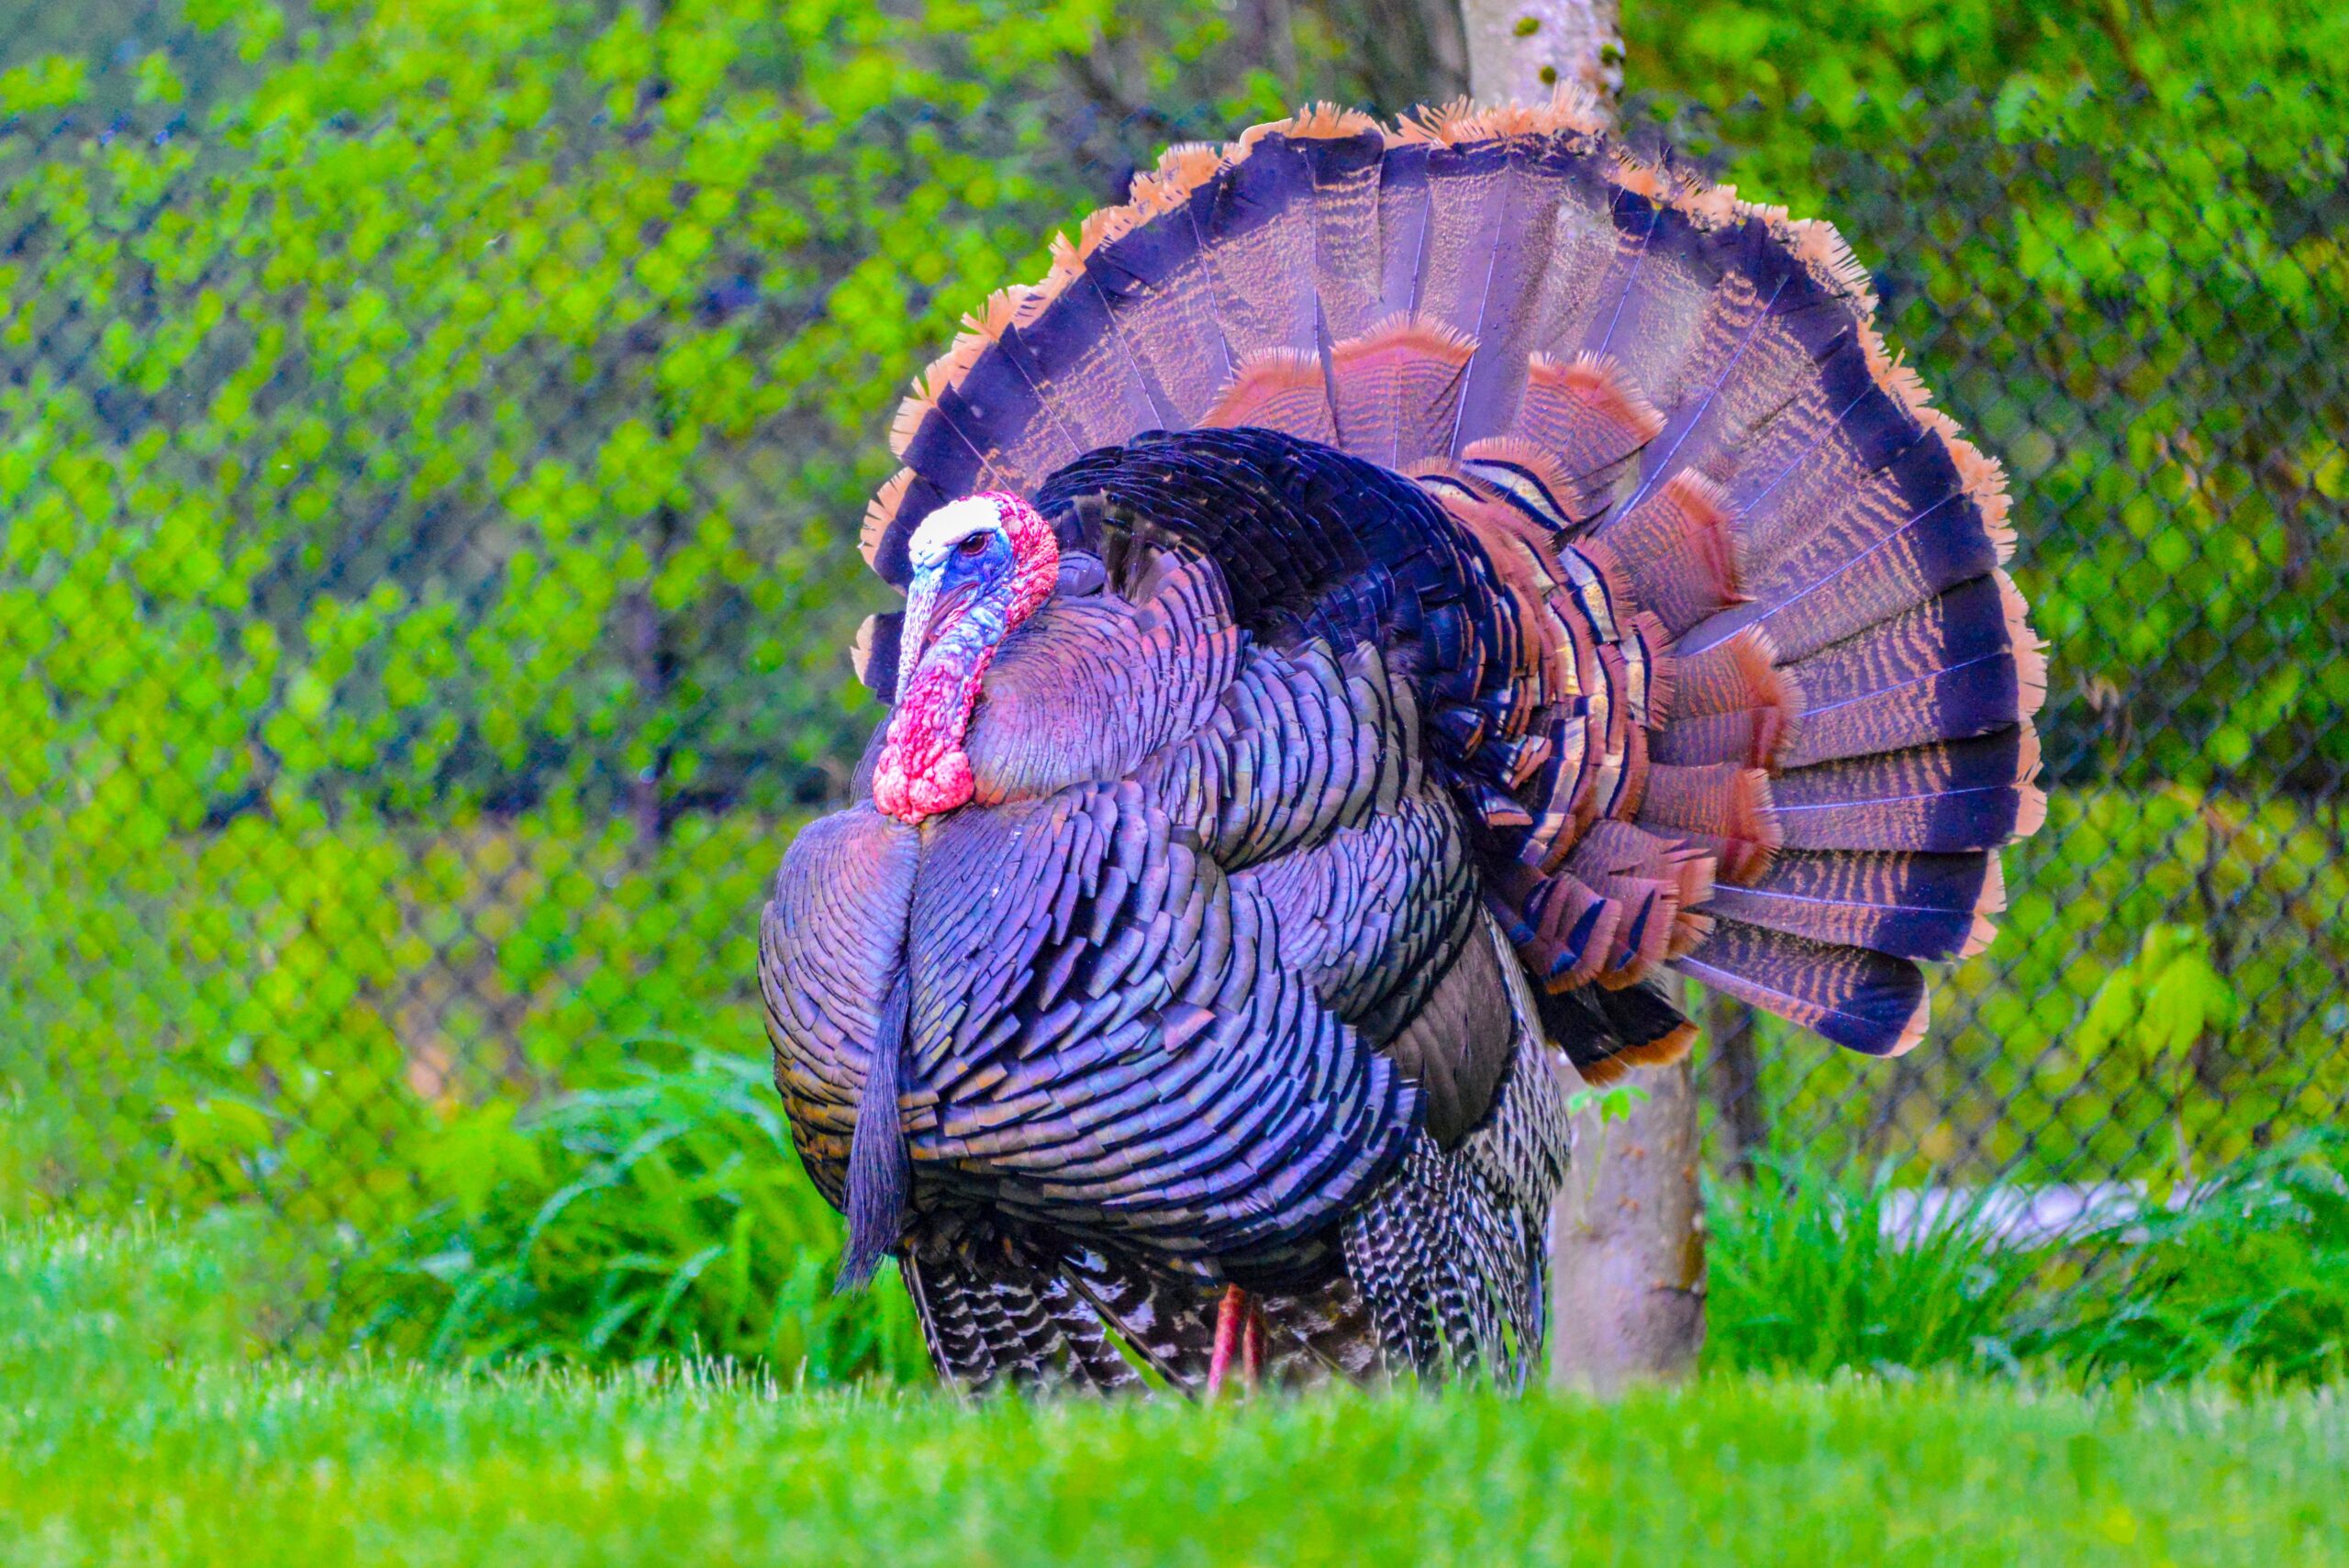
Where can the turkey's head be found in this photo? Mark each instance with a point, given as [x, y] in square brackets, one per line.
[981, 565]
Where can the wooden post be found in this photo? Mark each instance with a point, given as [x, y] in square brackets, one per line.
[1741, 1121]
[1627, 1239]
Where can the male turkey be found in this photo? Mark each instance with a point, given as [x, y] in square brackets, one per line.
[1385, 600]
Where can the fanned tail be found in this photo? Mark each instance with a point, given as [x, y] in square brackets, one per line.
[1737, 684]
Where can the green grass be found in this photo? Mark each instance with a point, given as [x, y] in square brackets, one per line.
[2247, 1282]
[1803, 1279]
[661, 1214]
[137, 1423]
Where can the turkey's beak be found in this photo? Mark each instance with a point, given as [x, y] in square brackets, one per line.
[929, 616]
[913, 632]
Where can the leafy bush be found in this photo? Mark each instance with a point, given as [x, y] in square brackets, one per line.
[662, 1215]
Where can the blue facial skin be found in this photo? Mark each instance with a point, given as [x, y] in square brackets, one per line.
[972, 593]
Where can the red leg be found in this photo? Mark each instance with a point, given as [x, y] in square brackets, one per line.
[1252, 1347]
[1231, 1316]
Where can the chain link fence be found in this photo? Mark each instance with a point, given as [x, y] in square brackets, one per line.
[428, 556]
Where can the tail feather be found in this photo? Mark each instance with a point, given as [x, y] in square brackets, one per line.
[1343, 151]
[1667, 275]
[1675, 547]
[1958, 795]
[1079, 398]
[1727, 805]
[1279, 389]
[1872, 1003]
[942, 442]
[1508, 250]
[1587, 412]
[1404, 220]
[1911, 905]
[1079, 360]
[1468, 190]
[1748, 356]
[1587, 241]
[1255, 218]
[1961, 664]
[1398, 389]
[1603, 1030]
[1155, 282]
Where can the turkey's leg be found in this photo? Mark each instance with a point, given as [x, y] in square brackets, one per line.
[1238, 1329]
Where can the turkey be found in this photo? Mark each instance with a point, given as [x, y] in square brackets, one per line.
[1388, 601]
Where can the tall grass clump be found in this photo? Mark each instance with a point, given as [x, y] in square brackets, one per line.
[2246, 1281]
[2243, 1280]
[661, 1213]
[1805, 1278]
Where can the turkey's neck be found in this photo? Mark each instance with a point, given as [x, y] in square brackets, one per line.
[923, 769]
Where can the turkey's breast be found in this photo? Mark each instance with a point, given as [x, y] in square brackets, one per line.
[1171, 1006]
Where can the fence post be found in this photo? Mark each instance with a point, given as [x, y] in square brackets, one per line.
[1736, 1073]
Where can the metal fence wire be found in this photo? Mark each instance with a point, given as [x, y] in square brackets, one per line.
[429, 552]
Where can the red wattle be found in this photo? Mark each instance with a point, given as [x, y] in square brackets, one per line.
[923, 770]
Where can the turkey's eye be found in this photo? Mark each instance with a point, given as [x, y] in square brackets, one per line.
[975, 544]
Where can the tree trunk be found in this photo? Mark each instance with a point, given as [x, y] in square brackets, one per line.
[1627, 1239]
[1627, 1243]
[1522, 48]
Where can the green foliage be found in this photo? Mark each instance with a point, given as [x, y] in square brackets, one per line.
[1803, 1278]
[2160, 1001]
[667, 1216]
[1854, 67]
[2248, 1280]
[431, 437]
[1613, 1105]
[477, 410]
[109, 1450]
[2109, 233]
[431, 440]
[2243, 1279]
[473, 404]
[663, 1215]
